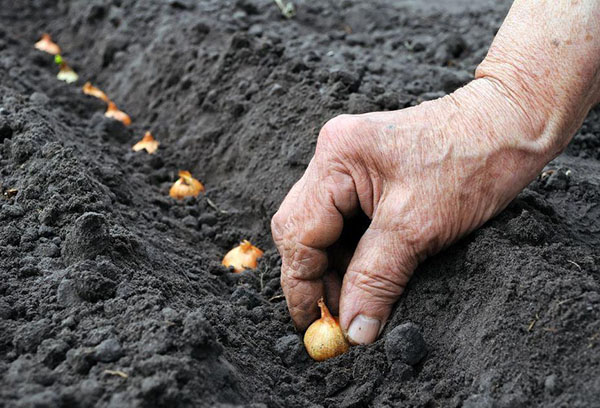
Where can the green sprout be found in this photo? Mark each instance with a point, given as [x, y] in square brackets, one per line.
[58, 60]
[287, 8]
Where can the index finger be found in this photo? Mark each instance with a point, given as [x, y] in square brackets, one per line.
[308, 222]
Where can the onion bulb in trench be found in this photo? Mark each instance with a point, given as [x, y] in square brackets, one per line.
[324, 338]
[90, 89]
[47, 45]
[114, 113]
[186, 186]
[148, 142]
[242, 256]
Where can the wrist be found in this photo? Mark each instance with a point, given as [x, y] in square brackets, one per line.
[545, 59]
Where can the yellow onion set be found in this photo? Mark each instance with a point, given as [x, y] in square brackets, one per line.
[324, 338]
[243, 256]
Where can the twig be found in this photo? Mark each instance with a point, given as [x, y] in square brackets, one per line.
[569, 300]
[117, 373]
[214, 206]
[576, 264]
[276, 297]
[533, 322]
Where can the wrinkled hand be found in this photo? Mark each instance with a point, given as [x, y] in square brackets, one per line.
[424, 176]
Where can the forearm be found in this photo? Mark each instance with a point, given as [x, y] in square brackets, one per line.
[546, 59]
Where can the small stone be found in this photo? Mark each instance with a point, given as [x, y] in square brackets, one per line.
[108, 351]
[277, 90]
[405, 343]
[291, 349]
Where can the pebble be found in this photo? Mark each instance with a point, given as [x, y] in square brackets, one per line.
[277, 90]
[108, 351]
[405, 343]
[66, 294]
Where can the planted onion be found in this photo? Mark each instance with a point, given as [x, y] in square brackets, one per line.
[148, 142]
[324, 338]
[66, 73]
[186, 186]
[114, 113]
[243, 256]
[47, 45]
[90, 89]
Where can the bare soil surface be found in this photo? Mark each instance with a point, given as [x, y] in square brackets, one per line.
[112, 293]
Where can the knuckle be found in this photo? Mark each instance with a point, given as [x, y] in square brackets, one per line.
[335, 128]
[277, 223]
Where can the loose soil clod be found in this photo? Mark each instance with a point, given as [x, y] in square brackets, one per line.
[95, 258]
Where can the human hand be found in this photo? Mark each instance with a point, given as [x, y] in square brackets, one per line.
[424, 176]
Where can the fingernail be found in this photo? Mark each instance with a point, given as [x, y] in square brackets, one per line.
[363, 330]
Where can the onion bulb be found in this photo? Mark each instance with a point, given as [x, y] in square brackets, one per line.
[186, 186]
[67, 74]
[243, 256]
[90, 89]
[324, 338]
[148, 142]
[114, 113]
[47, 45]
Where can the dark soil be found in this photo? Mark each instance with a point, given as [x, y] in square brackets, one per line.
[100, 270]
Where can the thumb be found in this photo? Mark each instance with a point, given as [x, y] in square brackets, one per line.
[376, 277]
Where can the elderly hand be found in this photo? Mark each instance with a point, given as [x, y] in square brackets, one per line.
[425, 176]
